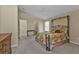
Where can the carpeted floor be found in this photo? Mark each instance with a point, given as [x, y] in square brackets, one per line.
[30, 46]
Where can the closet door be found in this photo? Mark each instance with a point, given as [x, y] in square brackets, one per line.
[23, 28]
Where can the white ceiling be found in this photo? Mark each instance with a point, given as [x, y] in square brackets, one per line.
[46, 11]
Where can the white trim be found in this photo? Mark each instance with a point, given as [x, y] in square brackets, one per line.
[74, 42]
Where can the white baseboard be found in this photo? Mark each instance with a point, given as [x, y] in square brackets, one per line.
[74, 42]
[15, 45]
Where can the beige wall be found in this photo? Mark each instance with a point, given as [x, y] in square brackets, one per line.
[41, 26]
[74, 25]
[9, 22]
[22, 15]
[31, 23]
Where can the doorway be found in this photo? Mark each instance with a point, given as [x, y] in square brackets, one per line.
[23, 28]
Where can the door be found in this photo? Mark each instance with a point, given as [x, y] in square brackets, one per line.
[23, 28]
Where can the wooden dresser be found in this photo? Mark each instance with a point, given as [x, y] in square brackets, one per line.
[5, 43]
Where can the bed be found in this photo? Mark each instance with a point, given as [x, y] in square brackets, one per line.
[58, 34]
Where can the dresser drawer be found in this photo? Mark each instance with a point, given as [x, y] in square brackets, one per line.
[5, 44]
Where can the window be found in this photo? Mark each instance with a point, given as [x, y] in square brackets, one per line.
[46, 25]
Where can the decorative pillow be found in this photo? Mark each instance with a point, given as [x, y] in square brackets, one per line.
[57, 31]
